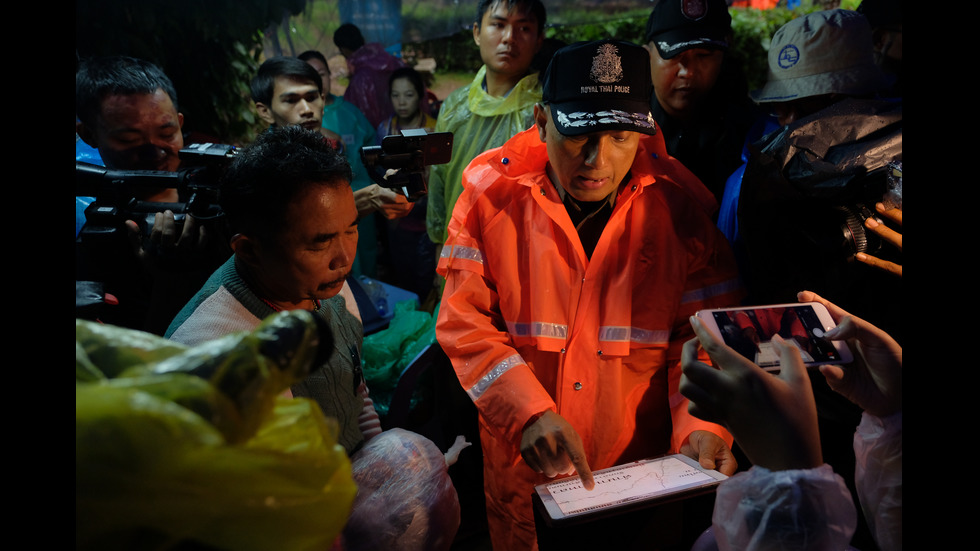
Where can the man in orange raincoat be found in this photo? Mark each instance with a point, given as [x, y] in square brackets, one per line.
[575, 256]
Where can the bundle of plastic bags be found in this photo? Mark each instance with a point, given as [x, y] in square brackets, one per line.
[406, 500]
[178, 446]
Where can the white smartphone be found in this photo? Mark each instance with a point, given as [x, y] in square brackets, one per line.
[749, 330]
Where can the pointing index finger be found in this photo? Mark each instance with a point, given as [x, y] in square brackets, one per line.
[576, 454]
[582, 466]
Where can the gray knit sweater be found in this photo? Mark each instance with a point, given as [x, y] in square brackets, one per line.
[226, 304]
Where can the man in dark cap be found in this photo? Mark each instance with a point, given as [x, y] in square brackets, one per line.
[700, 93]
[575, 256]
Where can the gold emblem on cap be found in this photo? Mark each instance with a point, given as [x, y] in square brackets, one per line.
[607, 65]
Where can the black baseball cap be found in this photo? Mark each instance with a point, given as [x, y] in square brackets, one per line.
[678, 25]
[598, 86]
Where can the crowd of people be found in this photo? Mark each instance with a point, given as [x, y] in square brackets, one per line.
[592, 206]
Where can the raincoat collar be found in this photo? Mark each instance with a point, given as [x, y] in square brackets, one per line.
[525, 93]
[525, 154]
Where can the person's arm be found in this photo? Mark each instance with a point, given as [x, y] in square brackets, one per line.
[435, 214]
[491, 371]
[173, 261]
[701, 439]
[375, 198]
[506, 392]
[368, 420]
[878, 476]
[712, 282]
[551, 446]
[789, 495]
[773, 417]
[785, 480]
[874, 382]
[790, 509]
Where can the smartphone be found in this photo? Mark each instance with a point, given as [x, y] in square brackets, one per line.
[749, 330]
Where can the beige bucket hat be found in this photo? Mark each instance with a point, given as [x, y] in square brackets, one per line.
[825, 52]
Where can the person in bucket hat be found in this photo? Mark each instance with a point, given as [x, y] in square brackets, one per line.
[811, 202]
[575, 255]
[815, 60]
[835, 147]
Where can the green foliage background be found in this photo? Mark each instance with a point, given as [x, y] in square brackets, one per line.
[752, 28]
[212, 49]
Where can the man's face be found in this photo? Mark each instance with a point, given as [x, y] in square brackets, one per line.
[294, 102]
[788, 112]
[137, 132]
[591, 166]
[324, 72]
[312, 257]
[682, 82]
[507, 39]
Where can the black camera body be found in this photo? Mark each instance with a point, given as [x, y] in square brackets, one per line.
[115, 191]
[104, 262]
[399, 162]
[102, 244]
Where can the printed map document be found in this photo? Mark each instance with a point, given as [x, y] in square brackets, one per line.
[626, 485]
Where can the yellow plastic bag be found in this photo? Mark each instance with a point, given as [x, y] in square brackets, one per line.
[152, 473]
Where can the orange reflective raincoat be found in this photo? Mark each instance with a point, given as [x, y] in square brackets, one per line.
[531, 324]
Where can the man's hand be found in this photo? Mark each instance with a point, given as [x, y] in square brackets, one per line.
[873, 380]
[711, 452]
[551, 446]
[376, 198]
[888, 235]
[165, 250]
[773, 417]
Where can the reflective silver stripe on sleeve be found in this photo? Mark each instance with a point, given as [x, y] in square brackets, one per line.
[608, 333]
[463, 253]
[484, 383]
[705, 293]
[538, 329]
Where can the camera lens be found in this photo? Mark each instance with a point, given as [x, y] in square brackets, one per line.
[856, 238]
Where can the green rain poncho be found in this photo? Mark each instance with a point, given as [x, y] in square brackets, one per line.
[478, 122]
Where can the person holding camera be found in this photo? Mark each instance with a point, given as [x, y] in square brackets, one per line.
[411, 253]
[811, 186]
[790, 495]
[126, 108]
[807, 203]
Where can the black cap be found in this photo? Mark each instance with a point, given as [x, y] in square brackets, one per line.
[678, 25]
[598, 86]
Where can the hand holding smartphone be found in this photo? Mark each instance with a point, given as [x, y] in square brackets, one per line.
[749, 330]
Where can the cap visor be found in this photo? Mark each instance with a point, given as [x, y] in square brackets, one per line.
[577, 118]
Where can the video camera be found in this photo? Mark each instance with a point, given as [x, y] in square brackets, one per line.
[115, 191]
[399, 162]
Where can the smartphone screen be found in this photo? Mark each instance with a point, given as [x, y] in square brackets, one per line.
[750, 330]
